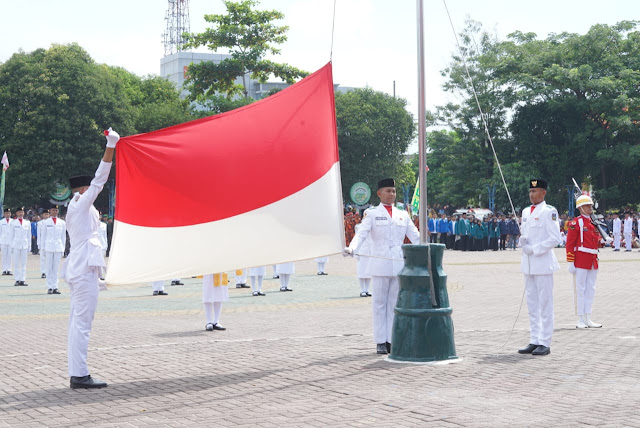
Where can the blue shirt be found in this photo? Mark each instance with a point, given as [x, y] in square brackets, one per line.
[34, 228]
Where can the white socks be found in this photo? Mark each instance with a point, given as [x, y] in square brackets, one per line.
[284, 280]
[364, 285]
[257, 279]
[212, 312]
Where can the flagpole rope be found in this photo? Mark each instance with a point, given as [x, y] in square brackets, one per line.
[333, 27]
[486, 130]
[484, 122]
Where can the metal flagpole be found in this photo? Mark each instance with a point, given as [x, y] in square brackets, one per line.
[422, 173]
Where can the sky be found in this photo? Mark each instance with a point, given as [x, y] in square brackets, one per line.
[375, 41]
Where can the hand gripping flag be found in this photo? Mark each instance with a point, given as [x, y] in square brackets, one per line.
[255, 186]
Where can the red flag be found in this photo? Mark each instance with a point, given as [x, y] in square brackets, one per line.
[255, 186]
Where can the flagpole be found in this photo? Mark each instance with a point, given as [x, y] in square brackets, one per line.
[422, 173]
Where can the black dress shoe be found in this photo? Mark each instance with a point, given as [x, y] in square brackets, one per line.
[368, 294]
[260, 293]
[381, 348]
[155, 293]
[217, 326]
[363, 294]
[542, 350]
[50, 291]
[86, 382]
[388, 347]
[56, 291]
[242, 286]
[177, 283]
[528, 349]
[44, 275]
[16, 284]
[162, 293]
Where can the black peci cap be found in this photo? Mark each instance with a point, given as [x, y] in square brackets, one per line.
[80, 181]
[537, 183]
[387, 182]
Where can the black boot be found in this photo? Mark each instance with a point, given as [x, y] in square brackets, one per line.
[86, 382]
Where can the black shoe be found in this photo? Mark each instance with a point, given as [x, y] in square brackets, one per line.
[17, 284]
[242, 286]
[176, 283]
[528, 349]
[381, 348]
[44, 275]
[9, 272]
[368, 294]
[276, 276]
[155, 293]
[86, 382]
[162, 293]
[255, 293]
[238, 286]
[24, 284]
[542, 350]
[363, 294]
[56, 291]
[217, 326]
[50, 291]
[287, 289]
[4, 272]
[260, 293]
[388, 347]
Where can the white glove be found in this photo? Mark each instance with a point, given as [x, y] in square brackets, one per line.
[112, 138]
[102, 285]
[572, 268]
[347, 252]
[527, 249]
[523, 240]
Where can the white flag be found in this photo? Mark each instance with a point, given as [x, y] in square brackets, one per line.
[5, 162]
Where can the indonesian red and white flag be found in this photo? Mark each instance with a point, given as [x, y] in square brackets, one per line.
[5, 162]
[255, 186]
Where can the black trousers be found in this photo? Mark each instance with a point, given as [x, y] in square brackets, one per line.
[503, 241]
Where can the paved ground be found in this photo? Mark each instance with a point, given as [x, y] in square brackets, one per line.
[306, 358]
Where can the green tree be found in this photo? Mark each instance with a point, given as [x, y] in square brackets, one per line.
[249, 35]
[54, 106]
[374, 132]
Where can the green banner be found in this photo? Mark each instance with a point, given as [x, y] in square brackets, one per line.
[415, 201]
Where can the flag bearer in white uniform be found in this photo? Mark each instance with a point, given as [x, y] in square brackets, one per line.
[628, 231]
[40, 242]
[84, 265]
[322, 263]
[241, 278]
[386, 227]
[617, 231]
[5, 244]
[583, 240]
[257, 274]
[54, 239]
[540, 234]
[215, 291]
[20, 238]
[285, 270]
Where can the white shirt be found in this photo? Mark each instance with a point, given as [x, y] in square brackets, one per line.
[53, 235]
[387, 235]
[20, 234]
[628, 226]
[83, 225]
[5, 234]
[542, 232]
[617, 225]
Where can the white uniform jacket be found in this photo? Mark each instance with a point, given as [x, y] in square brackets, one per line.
[617, 226]
[628, 226]
[387, 234]
[83, 225]
[542, 232]
[54, 236]
[20, 234]
[5, 233]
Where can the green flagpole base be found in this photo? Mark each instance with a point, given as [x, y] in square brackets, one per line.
[422, 332]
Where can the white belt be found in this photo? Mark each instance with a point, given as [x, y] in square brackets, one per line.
[588, 250]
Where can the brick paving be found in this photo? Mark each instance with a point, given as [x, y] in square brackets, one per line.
[306, 358]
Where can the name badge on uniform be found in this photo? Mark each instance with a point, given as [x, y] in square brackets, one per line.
[381, 218]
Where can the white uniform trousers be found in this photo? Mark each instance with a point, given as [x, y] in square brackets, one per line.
[585, 289]
[6, 257]
[43, 261]
[385, 296]
[539, 289]
[51, 269]
[627, 241]
[616, 240]
[84, 300]
[242, 278]
[20, 264]
[158, 285]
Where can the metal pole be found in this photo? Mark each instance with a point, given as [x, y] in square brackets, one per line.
[422, 173]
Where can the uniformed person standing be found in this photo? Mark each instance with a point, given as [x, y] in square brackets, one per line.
[43, 254]
[285, 270]
[158, 288]
[628, 231]
[540, 234]
[215, 291]
[5, 243]
[322, 263]
[84, 265]
[387, 227]
[54, 240]
[582, 254]
[617, 231]
[20, 238]
[257, 275]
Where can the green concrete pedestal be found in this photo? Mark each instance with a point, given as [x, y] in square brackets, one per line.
[422, 332]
